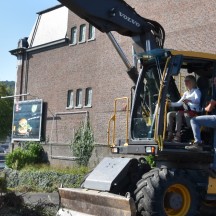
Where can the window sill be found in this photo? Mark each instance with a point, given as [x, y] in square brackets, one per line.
[67, 108]
[78, 107]
[88, 106]
[81, 42]
[92, 39]
[74, 44]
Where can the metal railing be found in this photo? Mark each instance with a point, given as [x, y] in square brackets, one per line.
[113, 121]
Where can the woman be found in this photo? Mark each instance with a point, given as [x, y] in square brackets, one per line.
[191, 103]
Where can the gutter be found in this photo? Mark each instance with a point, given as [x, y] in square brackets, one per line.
[48, 45]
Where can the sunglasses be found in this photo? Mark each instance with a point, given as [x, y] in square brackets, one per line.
[187, 81]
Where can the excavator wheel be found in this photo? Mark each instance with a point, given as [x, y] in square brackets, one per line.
[208, 208]
[166, 193]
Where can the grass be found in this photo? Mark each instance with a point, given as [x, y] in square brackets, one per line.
[36, 178]
[43, 178]
[82, 170]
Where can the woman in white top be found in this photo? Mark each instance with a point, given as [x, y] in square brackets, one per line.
[191, 103]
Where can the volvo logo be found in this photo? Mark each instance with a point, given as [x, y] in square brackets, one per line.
[134, 22]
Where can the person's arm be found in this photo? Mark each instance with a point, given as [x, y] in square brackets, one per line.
[210, 106]
[212, 102]
[178, 103]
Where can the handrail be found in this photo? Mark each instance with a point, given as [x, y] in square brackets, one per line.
[165, 118]
[157, 138]
[113, 119]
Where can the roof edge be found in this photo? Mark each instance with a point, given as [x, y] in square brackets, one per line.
[49, 9]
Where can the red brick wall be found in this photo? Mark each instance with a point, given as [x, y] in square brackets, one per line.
[189, 25]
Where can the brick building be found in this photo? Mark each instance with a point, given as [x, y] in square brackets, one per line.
[76, 71]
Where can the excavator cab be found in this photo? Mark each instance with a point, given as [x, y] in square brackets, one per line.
[160, 81]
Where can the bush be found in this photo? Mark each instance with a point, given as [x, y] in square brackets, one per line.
[83, 143]
[31, 153]
[34, 178]
[35, 152]
[151, 160]
[16, 159]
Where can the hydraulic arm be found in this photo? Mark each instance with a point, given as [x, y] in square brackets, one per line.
[117, 15]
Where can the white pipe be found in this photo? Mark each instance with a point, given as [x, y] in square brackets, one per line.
[12, 96]
[64, 113]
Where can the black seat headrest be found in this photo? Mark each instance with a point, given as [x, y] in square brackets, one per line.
[202, 83]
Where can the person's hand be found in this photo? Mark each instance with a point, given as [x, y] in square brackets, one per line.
[210, 106]
[186, 101]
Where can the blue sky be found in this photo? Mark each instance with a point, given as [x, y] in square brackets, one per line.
[17, 18]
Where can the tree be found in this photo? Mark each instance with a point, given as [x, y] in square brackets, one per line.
[6, 112]
[83, 143]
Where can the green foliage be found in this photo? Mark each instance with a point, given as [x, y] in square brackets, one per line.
[151, 161]
[78, 170]
[46, 179]
[10, 86]
[31, 153]
[6, 112]
[83, 143]
[16, 159]
[34, 151]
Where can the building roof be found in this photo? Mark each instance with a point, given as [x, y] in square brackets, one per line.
[50, 26]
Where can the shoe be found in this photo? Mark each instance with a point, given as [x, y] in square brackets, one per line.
[195, 147]
[177, 139]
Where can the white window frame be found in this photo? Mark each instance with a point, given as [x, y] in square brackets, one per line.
[78, 98]
[91, 32]
[82, 33]
[88, 97]
[70, 99]
[73, 35]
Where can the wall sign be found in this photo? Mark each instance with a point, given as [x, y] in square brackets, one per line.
[27, 120]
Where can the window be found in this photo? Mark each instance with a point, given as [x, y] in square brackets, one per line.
[79, 98]
[82, 33]
[70, 99]
[74, 35]
[88, 97]
[91, 33]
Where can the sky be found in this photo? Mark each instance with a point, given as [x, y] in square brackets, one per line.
[17, 18]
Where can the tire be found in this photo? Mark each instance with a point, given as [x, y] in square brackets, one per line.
[163, 192]
[208, 208]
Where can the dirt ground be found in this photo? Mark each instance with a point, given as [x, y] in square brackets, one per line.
[29, 204]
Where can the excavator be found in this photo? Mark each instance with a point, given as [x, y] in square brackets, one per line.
[180, 184]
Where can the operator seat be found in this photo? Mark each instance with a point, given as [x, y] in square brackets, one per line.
[204, 87]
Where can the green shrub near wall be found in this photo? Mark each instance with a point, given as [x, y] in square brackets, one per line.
[30, 153]
[31, 179]
[83, 143]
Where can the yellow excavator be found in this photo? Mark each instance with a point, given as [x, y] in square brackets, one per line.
[180, 183]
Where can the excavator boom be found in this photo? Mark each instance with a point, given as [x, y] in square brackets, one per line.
[117, 15]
